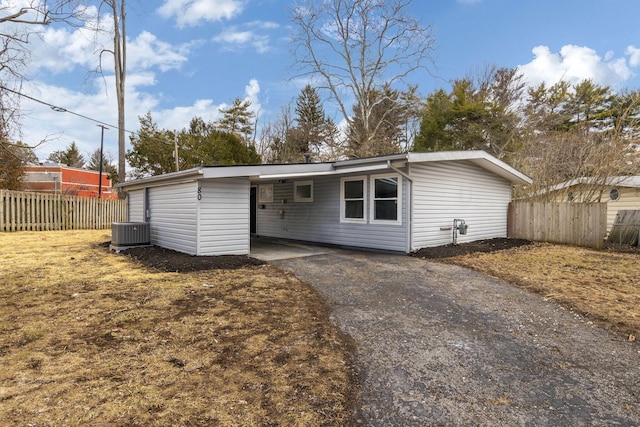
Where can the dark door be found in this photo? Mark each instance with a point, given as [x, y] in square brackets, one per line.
[252, 210]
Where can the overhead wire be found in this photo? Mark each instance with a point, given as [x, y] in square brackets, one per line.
[64, 110]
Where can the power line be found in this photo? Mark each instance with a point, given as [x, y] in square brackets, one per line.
[64, 110]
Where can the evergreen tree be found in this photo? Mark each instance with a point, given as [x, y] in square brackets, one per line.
[314, 133]
[474, 116]
[70, 157]
[238, 119]
[152, 151]
[311, 121]
[107, 166]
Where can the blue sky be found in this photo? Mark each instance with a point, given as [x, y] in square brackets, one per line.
[190, 57]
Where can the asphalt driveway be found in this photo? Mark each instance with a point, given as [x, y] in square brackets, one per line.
[443, 345]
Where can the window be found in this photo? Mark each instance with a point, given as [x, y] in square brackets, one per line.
[385, 200]
[303, 191]
[614, 194]
[265, 193]
[352, 206]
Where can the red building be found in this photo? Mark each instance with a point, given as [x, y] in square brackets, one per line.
[65, 180]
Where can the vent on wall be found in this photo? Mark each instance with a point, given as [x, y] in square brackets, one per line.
[130, 233]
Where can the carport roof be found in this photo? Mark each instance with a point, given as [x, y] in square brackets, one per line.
[298, 170]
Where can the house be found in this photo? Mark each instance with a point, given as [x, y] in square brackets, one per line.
[399, 202]
[54, 178]
[619, 192]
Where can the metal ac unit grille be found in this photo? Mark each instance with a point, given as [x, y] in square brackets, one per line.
[130, 233]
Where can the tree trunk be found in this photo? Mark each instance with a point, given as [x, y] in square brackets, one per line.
[120, 64]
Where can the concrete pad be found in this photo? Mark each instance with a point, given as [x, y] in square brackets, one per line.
[268, 249]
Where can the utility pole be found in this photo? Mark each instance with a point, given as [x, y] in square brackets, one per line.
[175, 150]
[101, 147]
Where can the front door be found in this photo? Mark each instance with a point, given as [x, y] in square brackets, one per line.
[253, 205]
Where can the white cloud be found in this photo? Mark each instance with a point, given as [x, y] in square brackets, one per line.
[251, 91]
[189, 13]
[146, 52]
[577, 63]
[178, 118]
[60, 50]
[634, 55]
[99, 103]
[235, 38]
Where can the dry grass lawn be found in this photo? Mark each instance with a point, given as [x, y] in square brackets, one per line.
[603, 285]
[89, 337]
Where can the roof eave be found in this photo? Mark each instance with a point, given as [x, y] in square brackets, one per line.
[143, 182]
[478, 157]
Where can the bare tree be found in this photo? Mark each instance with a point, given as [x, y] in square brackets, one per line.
[19, 23]
[356, 48]
[273, 139]
[594, 154]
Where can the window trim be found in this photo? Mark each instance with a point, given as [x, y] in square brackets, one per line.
[343, 200]
[617, 192]
[372, 199]
[297, 184]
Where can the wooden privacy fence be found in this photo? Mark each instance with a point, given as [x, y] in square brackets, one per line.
[29, 211]
[580, 224]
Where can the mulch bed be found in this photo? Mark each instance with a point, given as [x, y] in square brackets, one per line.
[162, 259]
[167, 260]
[487, 245]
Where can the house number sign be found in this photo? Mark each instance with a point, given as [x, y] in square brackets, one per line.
[199, 193]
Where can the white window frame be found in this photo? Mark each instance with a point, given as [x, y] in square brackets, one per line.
[617, 191]
[372, 199]
[343, 201]
[265, 193]
[297, 184]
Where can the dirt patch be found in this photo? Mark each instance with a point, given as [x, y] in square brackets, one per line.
[479, 246]
[161, 259]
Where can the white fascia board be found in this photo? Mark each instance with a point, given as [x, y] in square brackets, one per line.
[262, 171]
[370, 160]
[341, 171]
[230, 171]
[187, 174]
[365, 168]
[480, 158]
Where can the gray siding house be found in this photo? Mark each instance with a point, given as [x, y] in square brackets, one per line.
[401, 202]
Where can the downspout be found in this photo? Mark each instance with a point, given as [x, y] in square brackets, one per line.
[410, 211]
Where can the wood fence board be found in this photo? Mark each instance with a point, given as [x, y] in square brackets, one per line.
[39, 212]
[580, 224]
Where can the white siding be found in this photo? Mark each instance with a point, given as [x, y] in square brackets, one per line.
[135, 206]
[173, 210]
[224, 217]
[445, 191]
[319, 221]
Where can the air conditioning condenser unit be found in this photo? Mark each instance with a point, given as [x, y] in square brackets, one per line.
[130, 234]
